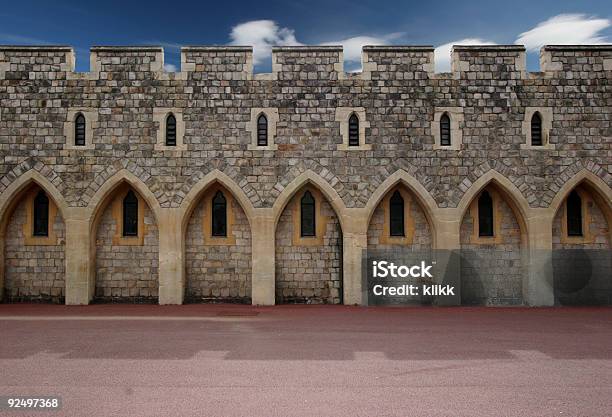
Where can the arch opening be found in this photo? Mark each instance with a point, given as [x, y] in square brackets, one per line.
[32, 234]
[217, 248]
[493, 238]
[581, 257]
[308, 265]
[124, 246]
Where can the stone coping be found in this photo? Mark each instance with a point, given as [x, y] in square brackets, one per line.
[127, 48]
[517, 48]
[308, 48]
[216, 48]
[398, 48]
[35, 48]
[606, 47]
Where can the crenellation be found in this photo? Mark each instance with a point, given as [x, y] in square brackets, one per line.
[308, 63]
[133, 62]
[229, 63]
[577, 61]
[398, 63]
[507, 62]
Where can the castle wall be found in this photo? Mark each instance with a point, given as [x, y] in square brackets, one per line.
[488, 94]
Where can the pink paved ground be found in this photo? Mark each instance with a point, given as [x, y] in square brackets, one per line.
[309, 361]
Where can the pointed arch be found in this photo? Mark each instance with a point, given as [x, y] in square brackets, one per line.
[593, 181]
[600, 191]
[191, 200]
[10, 198]
[309, 177]
[98, 202]
[423, 197]
[11, 195]
[512, 195]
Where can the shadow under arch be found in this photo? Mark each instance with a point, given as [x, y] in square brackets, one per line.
[423, 197]
[309, 177]
[510, 193]
[10, 198]
[100, 201]
[194, 195]
[581, 272]
[601, 192]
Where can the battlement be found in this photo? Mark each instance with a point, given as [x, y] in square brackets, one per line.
[218, 62]
[134, 59]
[34, 62]
[305, 63]
[480, 62]
[576, 58]
[398, 62]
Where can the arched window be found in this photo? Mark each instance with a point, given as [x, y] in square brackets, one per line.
[262, 130]
[41, 214]
[130, 214]
[79, 130]
[171, 130]
[574, 214]
[353, 126]
[485, 214]
[445, 130]
[307, 215]
[536, 130]
[219, 215]
[396, 215]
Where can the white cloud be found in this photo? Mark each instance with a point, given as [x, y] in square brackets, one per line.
[442, 54]
[262, 35]
[352, 47]
[169, 67]
[565, 29]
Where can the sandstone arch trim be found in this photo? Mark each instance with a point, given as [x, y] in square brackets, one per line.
[310, 177]
[510, 192]
[592, 180]
[13, 191]
[424, 198]
[98, 202]
[191, 200]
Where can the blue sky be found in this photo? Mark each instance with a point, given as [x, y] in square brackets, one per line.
[440, 23]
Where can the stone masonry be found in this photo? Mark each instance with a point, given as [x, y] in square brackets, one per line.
[489, 96]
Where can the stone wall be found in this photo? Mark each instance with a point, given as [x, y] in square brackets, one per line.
[492, 274]
[126, 273]
[215, 91]
[218, 272]
[33, 272]
[308, 273]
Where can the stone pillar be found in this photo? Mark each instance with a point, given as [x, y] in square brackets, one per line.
[355, 242]
[538, 278]
[171, 257]
[79, 260]
[263, 254]
[447, 253]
